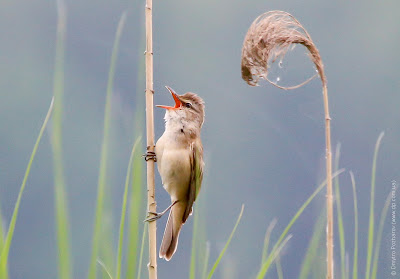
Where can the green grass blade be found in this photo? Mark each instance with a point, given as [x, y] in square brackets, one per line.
[342, 241]
[3, 272]
[104, 152]
[355, 255]
[263, 270]
[106, 270]
[279, 267]
[195, 241]
[141, 251]
[379, 235]
[314, 247]
[192, 270]
[7, 243]
[107, 252]
[319, 271]
[137, 197]
[134, 215]
[371, 226]
[210, 274]
[205, 262]
[62, 219]
[201, 239]
[275, 253]
[267, 239]
[123, 210]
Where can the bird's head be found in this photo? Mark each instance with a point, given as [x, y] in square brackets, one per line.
[188, 108]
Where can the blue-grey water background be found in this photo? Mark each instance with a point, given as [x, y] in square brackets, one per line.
[264, 147]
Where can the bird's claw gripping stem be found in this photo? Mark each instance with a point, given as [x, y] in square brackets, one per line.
[150, 155]
[155, 217]
[159, 215]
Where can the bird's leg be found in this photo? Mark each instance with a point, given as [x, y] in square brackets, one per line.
[159, 215]
[150, 155]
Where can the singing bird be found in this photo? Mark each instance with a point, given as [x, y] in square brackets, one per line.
[179, 154]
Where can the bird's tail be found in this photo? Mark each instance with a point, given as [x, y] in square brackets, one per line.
[172, 230]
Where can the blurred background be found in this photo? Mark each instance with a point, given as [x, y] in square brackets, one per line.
[264, 147]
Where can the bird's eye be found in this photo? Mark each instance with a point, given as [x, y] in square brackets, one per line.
[188, 105]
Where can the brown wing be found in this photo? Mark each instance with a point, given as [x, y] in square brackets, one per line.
[196, 176]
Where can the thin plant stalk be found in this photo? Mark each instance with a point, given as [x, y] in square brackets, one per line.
[139, 272]
[135, 221]
[347, 271]
[279, 267]
[3, 272]
[378, 240]
[342, 242]
[106, 248]
[371, 226]
[102, 180]
[355, 255]
[104, 267]
[314, 248]
[137, 193]
[210, 274]
[151, 202]
[8, 239]
[123, 210]
[205, 262]
[329, 195]
[267, 239]
[274, 254]
[62, 222]
[192, 270]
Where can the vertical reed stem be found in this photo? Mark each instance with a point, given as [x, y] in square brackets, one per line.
[151, 203]
[329, 196]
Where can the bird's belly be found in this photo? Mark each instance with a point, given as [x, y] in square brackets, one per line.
[174, 169]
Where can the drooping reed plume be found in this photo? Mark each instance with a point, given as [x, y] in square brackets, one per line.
[268, 39]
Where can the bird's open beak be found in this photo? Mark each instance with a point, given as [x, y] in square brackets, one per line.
[178, 102]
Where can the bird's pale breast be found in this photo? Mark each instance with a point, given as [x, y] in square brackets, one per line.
[174, 167]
